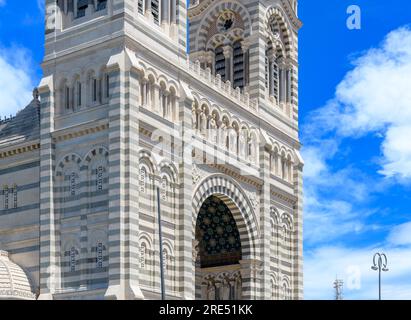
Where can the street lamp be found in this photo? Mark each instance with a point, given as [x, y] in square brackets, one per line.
[380, 264]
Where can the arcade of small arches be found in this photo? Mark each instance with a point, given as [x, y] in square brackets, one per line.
[281, 246]
[77, 92]
[227, 132]
[9, 197]
[282, 163]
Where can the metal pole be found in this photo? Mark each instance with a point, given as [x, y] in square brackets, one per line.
[379, 283]
[160, 237]
[380, 265]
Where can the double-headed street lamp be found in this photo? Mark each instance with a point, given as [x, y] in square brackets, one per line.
[380, 263]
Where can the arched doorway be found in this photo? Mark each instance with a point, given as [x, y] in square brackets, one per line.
[218, 252]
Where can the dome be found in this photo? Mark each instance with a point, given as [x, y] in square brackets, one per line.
[14, 283]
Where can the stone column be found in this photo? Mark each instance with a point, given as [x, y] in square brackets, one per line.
[245, 45]
[123, 182]
[49, 233]
[185, 227]
[265, 225]
[148, 9]
[298, 281]
[250, 270]
[165, 13]
[271, 78]
[156, 100]
[228, 55]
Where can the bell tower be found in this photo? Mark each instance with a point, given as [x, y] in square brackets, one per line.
[97, 19]
[252, 44]
[91, 90]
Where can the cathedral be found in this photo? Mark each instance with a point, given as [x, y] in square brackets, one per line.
[157, 113]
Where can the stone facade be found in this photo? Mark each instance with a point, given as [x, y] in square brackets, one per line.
[122, 110]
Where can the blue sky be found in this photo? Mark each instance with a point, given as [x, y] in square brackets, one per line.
[355, 111]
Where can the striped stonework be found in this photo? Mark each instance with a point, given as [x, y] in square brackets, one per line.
[49, 253]
[266, 231]
[231, 194]
[122, 110]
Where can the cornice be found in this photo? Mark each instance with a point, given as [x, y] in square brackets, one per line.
[21, 148]
[76, 132]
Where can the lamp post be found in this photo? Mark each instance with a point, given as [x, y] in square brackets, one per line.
[380, 264]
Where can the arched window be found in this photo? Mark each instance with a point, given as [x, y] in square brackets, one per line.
[107, 82]
[15, 196]
[220, 62]
[78, 93]
[82, 6]
[141, 6]
[6, 197]
[67, 97]
[286, 291]
[143, 251]
[101, 5]
[238, 65]
[173, 11]
[267, 72]
[155, 11]
[283, 167]
[96, 90]
[273, 74]
[275, 162]
[273, 290]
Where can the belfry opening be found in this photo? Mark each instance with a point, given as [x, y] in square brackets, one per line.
[218, 252]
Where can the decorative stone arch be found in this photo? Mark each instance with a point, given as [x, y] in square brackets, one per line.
[70, 242]
[163, 81]
[274, 285]
[277, 14]
[275, 216]
[230, 192]
[236, 34]
[65, 161]
[287, 221]
[215, 41]
[145, 241]
[146, 158]
[168, 168]
[213, 13]
[227, 190]
[97, 235]
[286, 287]
[94, 153]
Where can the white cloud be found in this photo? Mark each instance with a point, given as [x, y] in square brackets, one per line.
[16, 79]
[375, 97]
[332, 198]
[401, 235]
[353, 266]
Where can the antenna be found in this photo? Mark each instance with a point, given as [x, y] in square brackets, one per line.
[338, 286]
